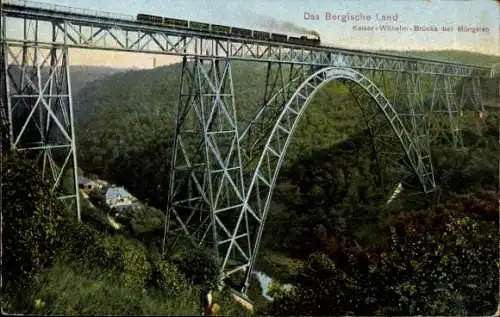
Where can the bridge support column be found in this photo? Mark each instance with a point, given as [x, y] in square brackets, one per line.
[416, 121]
[471, 96]
[207, 186]
[4, 119]
[39, 109]
[444, 103]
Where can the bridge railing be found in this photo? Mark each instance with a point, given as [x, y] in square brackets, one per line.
[60, 8]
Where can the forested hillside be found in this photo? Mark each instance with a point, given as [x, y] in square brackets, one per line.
[454, 56]
[330, 231]
[81, 75]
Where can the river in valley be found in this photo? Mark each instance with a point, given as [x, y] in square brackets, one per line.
[264, 281]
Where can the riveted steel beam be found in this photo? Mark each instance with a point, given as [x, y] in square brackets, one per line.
[36, 100]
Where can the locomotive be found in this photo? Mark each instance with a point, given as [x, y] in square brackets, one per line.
[228, 30]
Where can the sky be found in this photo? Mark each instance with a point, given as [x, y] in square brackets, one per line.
[421, 24]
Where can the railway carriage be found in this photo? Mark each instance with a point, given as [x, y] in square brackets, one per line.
[150, 19]
[279, 37]
[227, 30]
[295, 40]
[199, 26]
[176, 22]
[221, 29]
[241, 32]
[259, 35]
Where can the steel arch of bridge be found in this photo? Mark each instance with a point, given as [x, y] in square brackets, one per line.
[211, 172]
[265, 175]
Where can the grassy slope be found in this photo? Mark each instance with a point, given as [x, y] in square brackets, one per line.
[70, 289]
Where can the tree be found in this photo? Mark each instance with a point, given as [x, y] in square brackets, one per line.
[33, 219]
[199, 266]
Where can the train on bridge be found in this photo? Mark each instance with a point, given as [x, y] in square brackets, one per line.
[228, 30]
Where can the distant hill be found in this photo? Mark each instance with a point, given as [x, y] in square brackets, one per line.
[453, 56]
[155, 91]
[80, 75]
[152, 93]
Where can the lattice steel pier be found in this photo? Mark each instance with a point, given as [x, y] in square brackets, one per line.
[37, 104]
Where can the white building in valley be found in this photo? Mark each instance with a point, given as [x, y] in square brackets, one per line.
[118, 196]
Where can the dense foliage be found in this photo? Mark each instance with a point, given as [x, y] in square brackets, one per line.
[168, 278]
[424, 263]
[433, 261]
[31, 220]
[200, 267]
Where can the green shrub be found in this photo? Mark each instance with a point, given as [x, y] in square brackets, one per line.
[97, 196]
[429, 257]
[168, 279]
[125, 257]
[228, 305]
[128, 257]
[32, 220]
[82, 243]
[199, 266]
[71, 289]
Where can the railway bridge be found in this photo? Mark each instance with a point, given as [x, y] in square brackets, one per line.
[225, 161]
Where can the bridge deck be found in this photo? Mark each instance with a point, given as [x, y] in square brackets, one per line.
[107, 31]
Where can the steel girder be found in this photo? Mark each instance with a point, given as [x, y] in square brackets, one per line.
[444, 102]
[123, 33]
[451, 97]
[471, 96]
[4, 118]
[38, 106]
[494, 70]
[417, 118]
[405, 93]
[207, 186]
